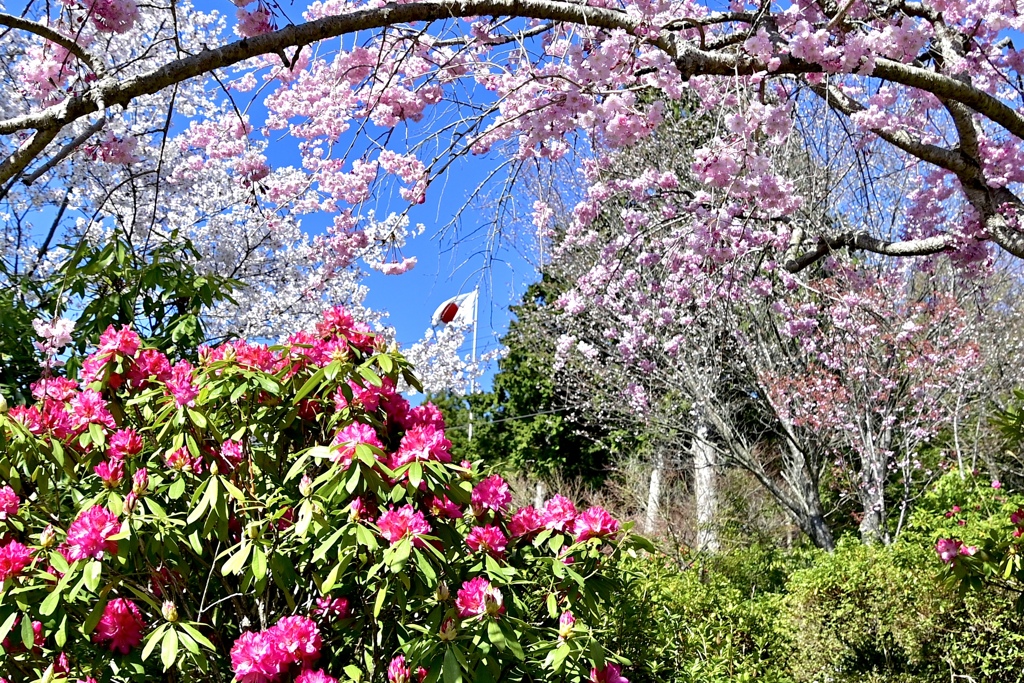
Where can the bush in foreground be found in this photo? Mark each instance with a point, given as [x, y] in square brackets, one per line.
[279, 514]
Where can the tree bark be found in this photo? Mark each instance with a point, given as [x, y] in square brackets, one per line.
[705, 490]
[654, 494]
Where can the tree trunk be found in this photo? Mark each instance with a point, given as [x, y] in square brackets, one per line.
[654, 494]
[540, 494]
[872, 485]
[705, 490]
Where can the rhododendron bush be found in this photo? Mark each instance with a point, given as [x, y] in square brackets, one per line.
[279, 514]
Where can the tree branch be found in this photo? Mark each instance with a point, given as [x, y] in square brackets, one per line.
[854, 239]
[65, 151]
[48, 33]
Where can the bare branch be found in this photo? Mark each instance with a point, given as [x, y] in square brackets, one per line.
[861, 240]
[65, 151]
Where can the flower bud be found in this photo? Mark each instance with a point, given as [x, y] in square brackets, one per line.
[253, 531]
[140, 482]
[442, 592]
[448, 631]
[492, 601]
[3, 404]
[214, 468]
[130, 501]
[47, 536]
[306, 486]
[565, 624]
[169, 611]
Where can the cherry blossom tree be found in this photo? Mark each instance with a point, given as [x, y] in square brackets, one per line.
[412, 86]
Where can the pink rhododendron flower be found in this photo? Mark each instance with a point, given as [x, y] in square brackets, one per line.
[477, 596]
[140, 481]
[422, 443]
[149, 365]
[996, 484]
[55, 388]
[610, 673]
[488, 539]
[181, 385]
[559, 514]
[254, 659]
[595, 522]
[352, 435]
[111, 472]
[231, 454]
[88, 407]
[525, 521]
[314, 676]
[405, 521]
[491, 494]
[334, 607]
[297, 638]
[88, 534]
[14, 557]
[9, 503]
[121, 626]
[443, 507]
[950, 548]
[124, 443]
[183, 461]
[398, 672]
[1017, 518]
[124, 342]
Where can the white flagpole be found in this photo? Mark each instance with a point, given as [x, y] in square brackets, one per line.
[476, 306]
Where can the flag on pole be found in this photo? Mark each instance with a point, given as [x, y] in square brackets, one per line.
[459, 310]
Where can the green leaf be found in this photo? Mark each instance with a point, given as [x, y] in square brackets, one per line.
[558, 657]
[93, 572]
[259, 564]
[370, 376]
[415, 474]
[353, 672]
[199, 420]
[378, 604]
[326, 546]
[154, 638]
[176, 489]
[451, 670]
[495, 635]
[309, 385]
[197, 636]
[8, 624]
[237, 561]
[28, 636]
[94, 616]
[48, 606]
[169, 649]
[552, 606]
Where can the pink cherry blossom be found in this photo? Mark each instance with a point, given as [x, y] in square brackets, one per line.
[88, 536]
[120, 627]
